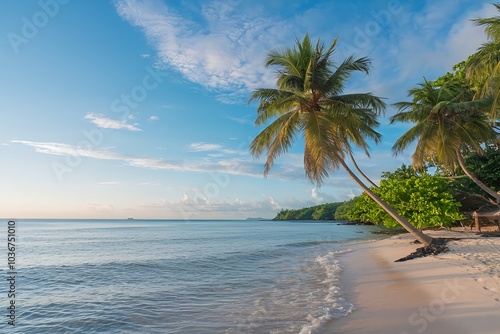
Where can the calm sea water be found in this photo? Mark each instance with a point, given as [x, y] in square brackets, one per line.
[134, 276]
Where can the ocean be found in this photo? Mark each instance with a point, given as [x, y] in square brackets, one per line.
[152, 276]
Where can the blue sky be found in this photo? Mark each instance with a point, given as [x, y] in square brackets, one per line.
[137, 108]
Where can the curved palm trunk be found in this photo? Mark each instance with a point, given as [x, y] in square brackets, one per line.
[360, 171]
[467, 172]
[423, 238]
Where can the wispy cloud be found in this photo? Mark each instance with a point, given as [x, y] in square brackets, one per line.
[227, 55]
[417, 44]
[242, 120]
[204, 147]
[430, 43]
[109, 183]
[154, 118]
[207, 147]
[233, 166]
[108, 123]
[102, 208]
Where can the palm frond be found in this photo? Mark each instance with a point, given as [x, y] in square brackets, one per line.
[308, 99]
[492, 24]
[445, 119]
[366, 101]
[276, 138]
[322, 148]
[408, 138]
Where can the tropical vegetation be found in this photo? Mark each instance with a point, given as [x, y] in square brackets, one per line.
[317, 212]
[423, 199]
[447, 122]
[454, 127]
[308, 100]
[483, 67]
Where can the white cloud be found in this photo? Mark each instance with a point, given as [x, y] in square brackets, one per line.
[316, 195]
[234, 166]
[226, 55]
[195, 205]
[102, 208]
[239, 165]
[242, 120]
[109, 183]
[154, 118]
[444, 43]
[108, 123]
[207, 147]
[203, 147]
[64, 149]
[415, 45]
[465, 36]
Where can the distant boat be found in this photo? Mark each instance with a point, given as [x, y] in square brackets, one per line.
[130, 218]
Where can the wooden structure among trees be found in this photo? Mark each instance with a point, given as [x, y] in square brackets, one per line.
[493, 215]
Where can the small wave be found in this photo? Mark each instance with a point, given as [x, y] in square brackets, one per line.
[335, 305]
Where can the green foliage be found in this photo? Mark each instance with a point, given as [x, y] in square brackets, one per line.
[486, 167]
[458, 75]
[446, 120]
[352, 211]
[318, 212]
[326, 211]
[308, 102]
[344, 209]
[404, 172]
[423, 200]
[482, 68]
[285, 215]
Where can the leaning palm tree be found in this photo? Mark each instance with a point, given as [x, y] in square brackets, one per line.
[483, 67]
[447, 123]
[308, 100]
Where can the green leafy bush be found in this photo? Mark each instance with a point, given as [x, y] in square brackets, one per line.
[423, 200]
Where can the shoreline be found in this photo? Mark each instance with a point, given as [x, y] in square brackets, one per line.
[453, 292]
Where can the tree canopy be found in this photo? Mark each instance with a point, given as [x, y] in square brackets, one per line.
[309, 101]
[423, 199]
[453, 117]
[318, 212]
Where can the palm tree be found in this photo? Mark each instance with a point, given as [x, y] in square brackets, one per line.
[447, 122]
[483, 67]
[308, 100]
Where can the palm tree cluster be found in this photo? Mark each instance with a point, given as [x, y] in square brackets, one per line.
[451, 117]
[483, 67]
[448, 123]
[308, 100]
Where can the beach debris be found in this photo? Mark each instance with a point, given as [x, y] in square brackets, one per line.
[489, 234]
[437, 246]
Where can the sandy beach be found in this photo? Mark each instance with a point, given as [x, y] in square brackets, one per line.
[455, 292]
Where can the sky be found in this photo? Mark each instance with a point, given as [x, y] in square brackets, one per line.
[138, 108]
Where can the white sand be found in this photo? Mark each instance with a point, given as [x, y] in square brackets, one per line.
[456, 292]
